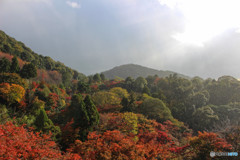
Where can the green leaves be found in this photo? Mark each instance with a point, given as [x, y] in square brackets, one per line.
[28, 71]
[154, 108]
[15, 65]
[4, 65]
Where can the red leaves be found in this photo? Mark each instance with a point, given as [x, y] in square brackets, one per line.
[9, 57]
[94, 87]
[205, 142]
[111, 84]
[52, 77]
[18, 143]
[22, 104]
[109, 145]
[214, 140]
[151, 140]
[53, 99]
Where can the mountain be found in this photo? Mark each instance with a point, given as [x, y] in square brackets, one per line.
[134, 70]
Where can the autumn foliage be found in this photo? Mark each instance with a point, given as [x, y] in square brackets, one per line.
[10, 57]
[11, 92]
[61, 111]
[130, 136]
[19, 143]
[206, 142]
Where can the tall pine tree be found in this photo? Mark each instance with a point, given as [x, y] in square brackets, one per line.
[77, 111]
[15, 65]
[92, 112]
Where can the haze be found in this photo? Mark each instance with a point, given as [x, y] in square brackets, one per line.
[196, 38]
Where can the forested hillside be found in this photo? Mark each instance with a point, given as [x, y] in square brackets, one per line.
[57, 71]
[96, 118]
[135, 71]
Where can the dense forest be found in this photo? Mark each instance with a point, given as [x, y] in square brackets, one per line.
[50, 111]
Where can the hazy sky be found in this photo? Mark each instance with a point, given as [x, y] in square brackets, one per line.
[192, 37]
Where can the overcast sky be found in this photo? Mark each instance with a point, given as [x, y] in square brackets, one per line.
[192, 37]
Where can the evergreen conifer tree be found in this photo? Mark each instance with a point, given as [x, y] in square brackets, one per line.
[4, 65]
[15, 65]
[92, 112]
[78, 112]
[28, 71]
[44, 124]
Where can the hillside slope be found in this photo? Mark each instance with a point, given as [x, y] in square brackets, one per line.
[133, 70]
[16, 48]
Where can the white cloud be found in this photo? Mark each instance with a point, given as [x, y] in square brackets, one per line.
[73, 4]
[205, 19]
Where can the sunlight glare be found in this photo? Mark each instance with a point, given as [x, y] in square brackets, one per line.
[205, 19]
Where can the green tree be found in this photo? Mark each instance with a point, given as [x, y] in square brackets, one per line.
[146, 90]
[96, 77]
[83, 87]
[140, 83]
[200, 99]
[78, 112]
[49, 63]
[66, 77]
[155, 109]
[92, 112]
[28, 71]
[7, 48]
[102, 77]
[15, 65]
[129, 104]
[204, 118]
[126, 105]
[90, 79]
[42, 121]
[44, 124]
[4, 65]
[3, 114]
[129, 81]
[197, 83]
[150, 79]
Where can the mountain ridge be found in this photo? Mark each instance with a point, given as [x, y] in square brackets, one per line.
[135, 70]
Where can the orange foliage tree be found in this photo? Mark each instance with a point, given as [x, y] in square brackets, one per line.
[205, 142]
[19, 143]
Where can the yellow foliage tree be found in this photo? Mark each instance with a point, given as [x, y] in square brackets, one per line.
[106, 100]
[11, 92]
[120, 92]
[131, 121]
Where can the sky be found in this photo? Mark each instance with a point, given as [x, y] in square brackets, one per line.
[192, 37]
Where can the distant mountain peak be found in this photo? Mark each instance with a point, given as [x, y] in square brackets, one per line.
[135, 70]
